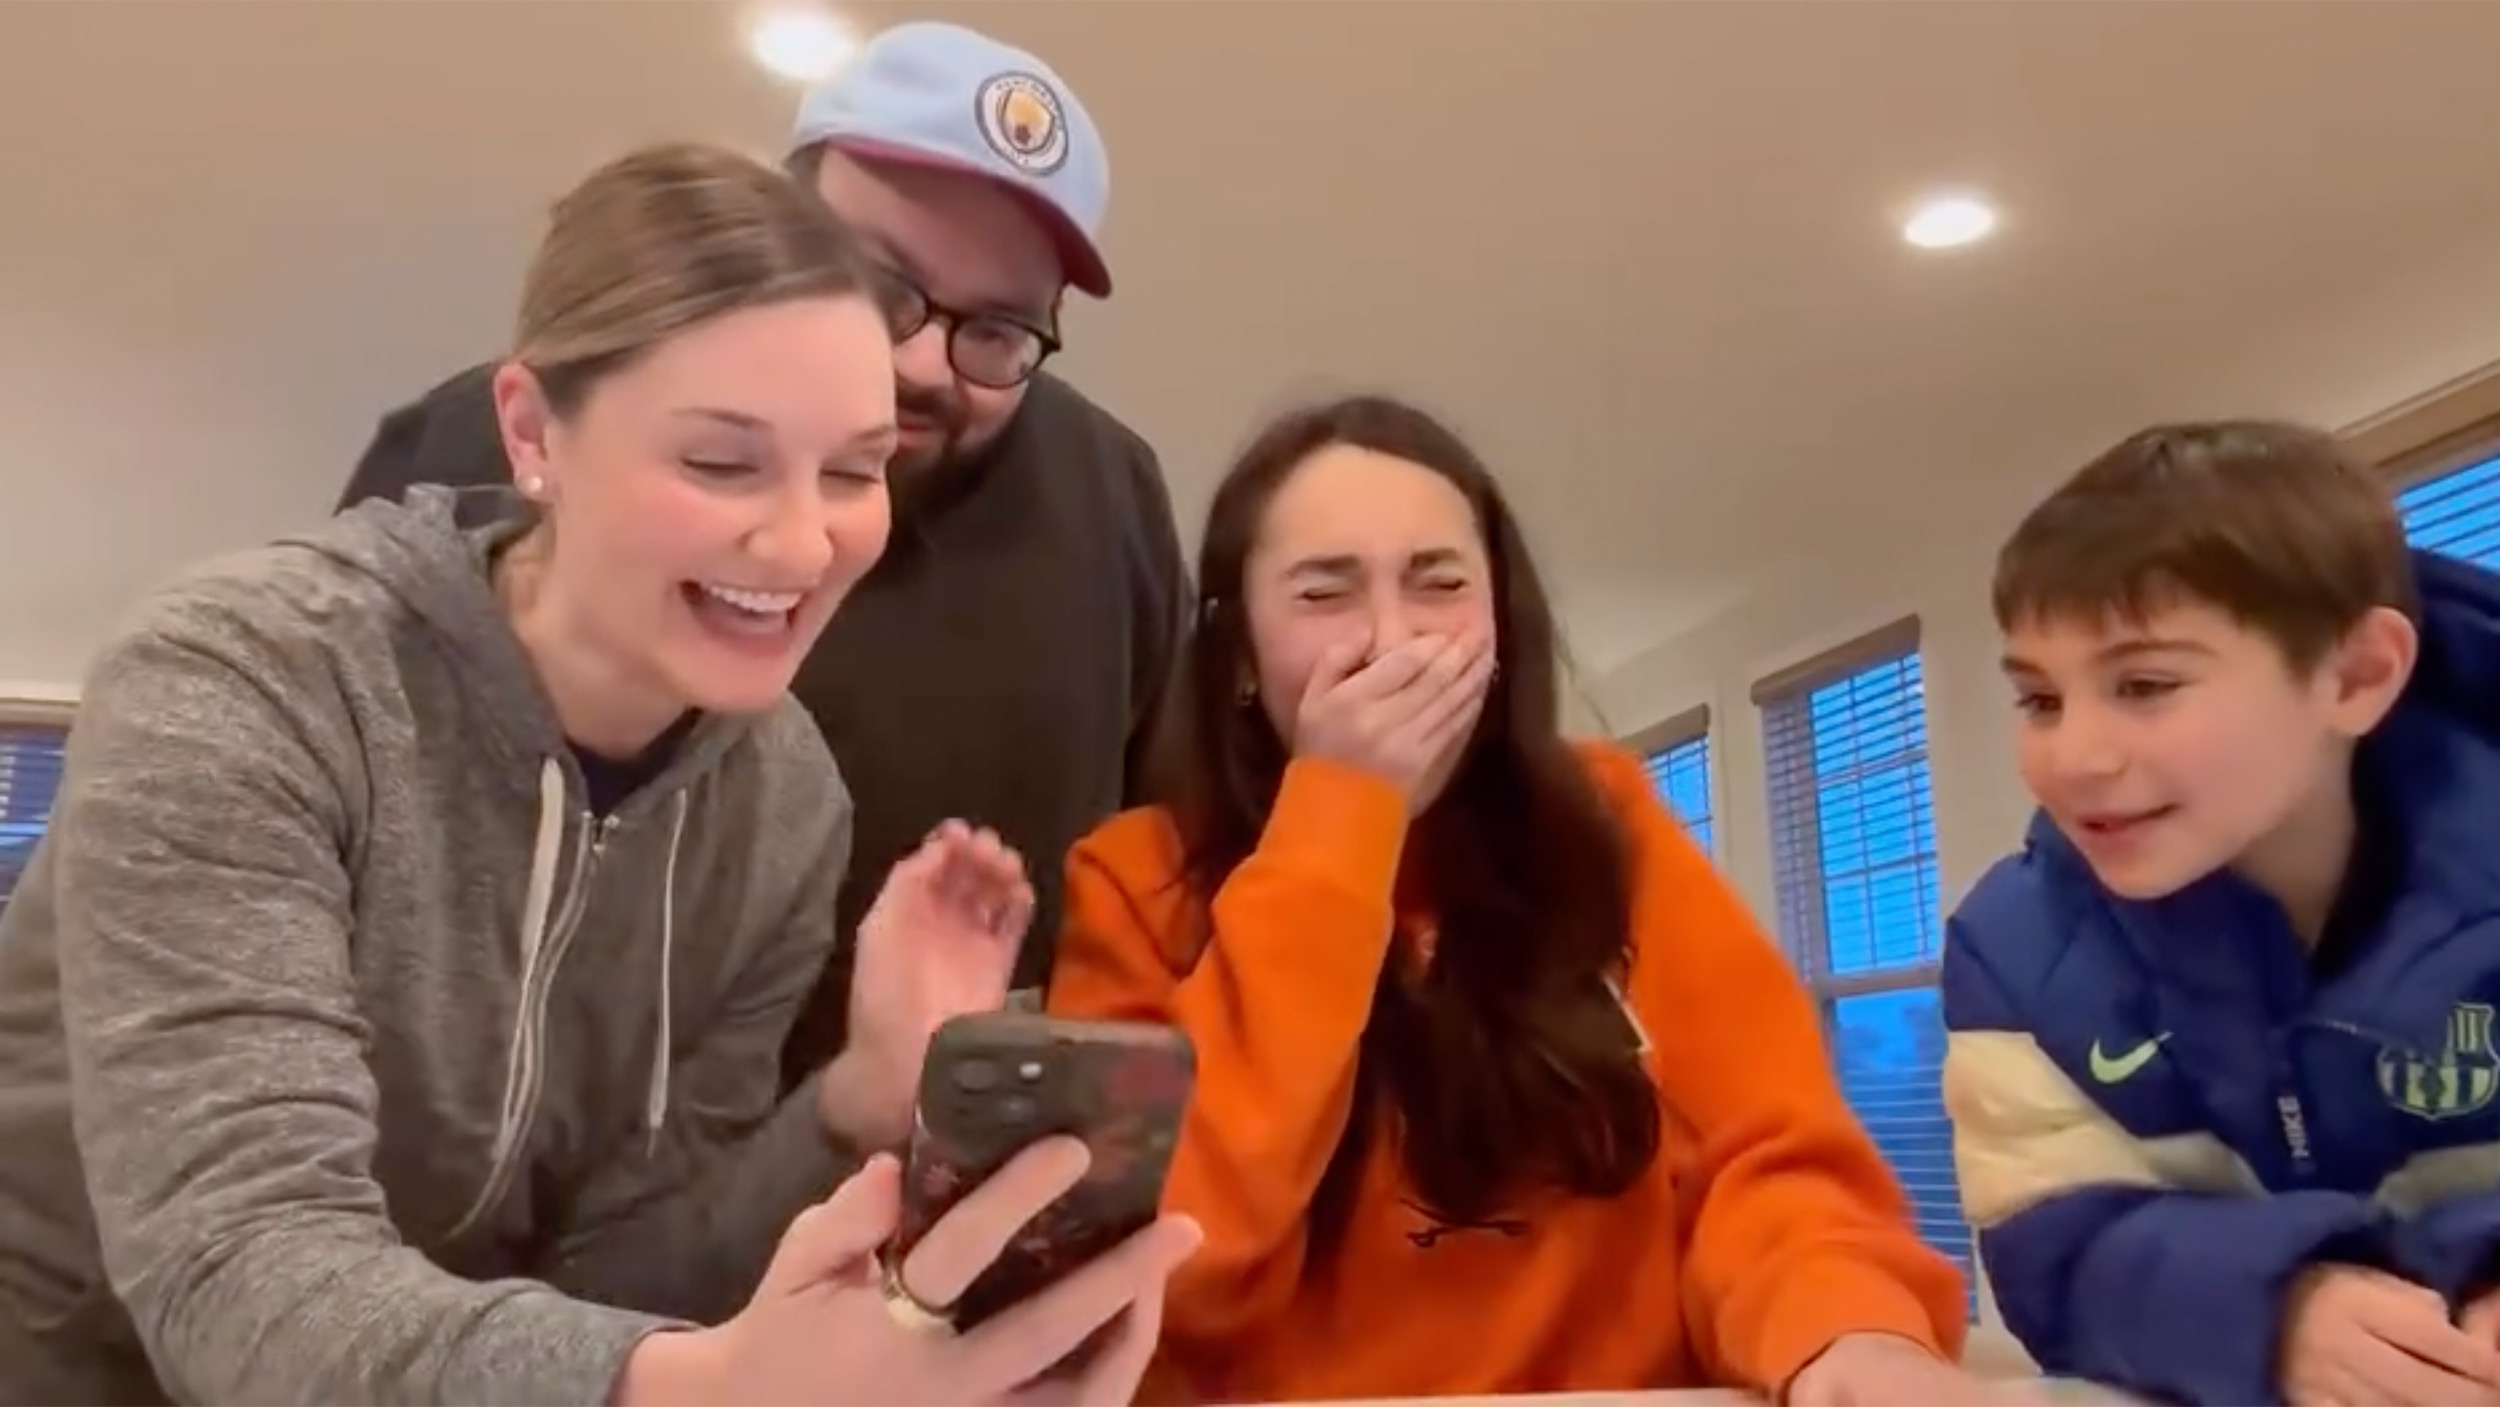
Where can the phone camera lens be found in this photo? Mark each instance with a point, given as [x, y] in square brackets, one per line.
[976, 1076]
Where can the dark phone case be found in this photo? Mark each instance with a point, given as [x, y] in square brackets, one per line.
[999, 1081]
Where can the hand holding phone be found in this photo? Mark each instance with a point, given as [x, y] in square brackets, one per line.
[821, 1328]
[997, 1082]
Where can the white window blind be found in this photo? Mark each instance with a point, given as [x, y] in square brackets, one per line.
[2456, 514]
[30, 774]
[1854, 855]
[1680, 773]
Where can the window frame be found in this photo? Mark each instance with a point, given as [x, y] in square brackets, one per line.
[38, 714]
[1800, 906]
[2450, 427]
[1691, 725]
[1794, 822]
[2446, 430]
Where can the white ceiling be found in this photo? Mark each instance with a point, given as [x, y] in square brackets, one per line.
[1643, 250]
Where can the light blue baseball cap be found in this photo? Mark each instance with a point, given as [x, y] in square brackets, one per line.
[944, 96]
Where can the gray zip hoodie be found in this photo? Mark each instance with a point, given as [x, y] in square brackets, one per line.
[343, 1056]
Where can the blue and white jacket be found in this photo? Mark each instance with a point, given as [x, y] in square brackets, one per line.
[2160, 1113]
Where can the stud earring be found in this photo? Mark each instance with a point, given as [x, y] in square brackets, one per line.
[1247, 694]
[533, 486]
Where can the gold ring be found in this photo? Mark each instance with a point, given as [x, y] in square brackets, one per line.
[908, 1309]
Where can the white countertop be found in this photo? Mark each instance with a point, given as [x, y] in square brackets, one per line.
[2062, 1392]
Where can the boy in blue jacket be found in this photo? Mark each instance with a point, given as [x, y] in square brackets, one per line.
[2222, 1070]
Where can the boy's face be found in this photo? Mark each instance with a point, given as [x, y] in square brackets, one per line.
[2169, 747]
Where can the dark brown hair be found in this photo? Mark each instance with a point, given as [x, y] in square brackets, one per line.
[662, 239]
[2275, 524]
[1507, 1064]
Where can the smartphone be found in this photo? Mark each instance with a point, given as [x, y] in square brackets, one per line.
[997, 1082]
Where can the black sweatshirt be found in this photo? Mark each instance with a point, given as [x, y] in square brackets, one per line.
[1000, 664]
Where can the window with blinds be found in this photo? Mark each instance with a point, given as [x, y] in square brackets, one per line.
[1679, 771]
[30, 775]
[2456, 514]
[1854, 856]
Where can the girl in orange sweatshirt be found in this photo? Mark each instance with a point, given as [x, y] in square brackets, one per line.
[1500, 1089]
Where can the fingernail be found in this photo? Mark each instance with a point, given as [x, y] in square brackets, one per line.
[1191, 1236]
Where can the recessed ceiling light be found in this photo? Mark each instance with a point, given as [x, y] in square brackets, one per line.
[802, 45]
[1949, 222]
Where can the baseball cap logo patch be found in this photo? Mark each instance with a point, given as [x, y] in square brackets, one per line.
[1021, 120]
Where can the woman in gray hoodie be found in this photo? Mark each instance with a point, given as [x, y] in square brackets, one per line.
[392, 1012]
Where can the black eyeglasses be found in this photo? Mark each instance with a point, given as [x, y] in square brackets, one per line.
[986, 349]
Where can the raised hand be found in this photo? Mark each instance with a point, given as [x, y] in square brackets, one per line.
[940, 942]
[1405, 716]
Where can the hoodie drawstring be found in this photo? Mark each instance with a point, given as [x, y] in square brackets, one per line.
[655, 1106]
[538, 926]
[521, 1063]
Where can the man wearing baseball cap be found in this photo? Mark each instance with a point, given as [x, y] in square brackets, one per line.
[1002, 661]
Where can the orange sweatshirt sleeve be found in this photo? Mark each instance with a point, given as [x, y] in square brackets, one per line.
[1802, 1233]
[1275, 1004]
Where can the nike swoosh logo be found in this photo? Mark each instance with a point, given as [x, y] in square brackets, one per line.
[2116, 1069]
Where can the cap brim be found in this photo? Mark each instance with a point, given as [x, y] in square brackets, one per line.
[1079, 260]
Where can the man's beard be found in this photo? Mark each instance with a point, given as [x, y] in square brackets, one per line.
[915, 464]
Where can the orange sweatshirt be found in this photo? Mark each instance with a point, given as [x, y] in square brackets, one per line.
[1768, 1227]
